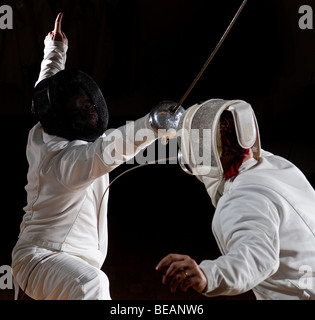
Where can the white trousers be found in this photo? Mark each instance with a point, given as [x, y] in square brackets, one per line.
[46, 275]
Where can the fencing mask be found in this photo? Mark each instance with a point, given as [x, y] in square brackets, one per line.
[71, 105]
[204, 134]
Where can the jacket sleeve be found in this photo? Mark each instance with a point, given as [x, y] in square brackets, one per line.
[80, 163]
[246, 228]
[55, 56]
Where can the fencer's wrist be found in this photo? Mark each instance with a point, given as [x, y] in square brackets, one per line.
[54, 44]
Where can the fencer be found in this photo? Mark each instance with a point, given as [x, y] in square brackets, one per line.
[63, 236]
[264, 222]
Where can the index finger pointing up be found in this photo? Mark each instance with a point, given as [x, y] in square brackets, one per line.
[58, 23]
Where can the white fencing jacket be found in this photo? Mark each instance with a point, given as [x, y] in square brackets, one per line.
[67, 180]
[265, 227]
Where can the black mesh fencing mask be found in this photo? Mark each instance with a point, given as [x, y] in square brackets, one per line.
[71, 105]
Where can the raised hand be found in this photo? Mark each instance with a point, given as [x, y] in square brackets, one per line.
[57, 34]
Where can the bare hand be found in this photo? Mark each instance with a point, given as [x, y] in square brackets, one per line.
[182, 272]
[57, 34]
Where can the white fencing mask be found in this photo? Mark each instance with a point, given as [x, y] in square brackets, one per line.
[200, 140]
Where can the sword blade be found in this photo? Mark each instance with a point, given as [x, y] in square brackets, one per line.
[177, 107]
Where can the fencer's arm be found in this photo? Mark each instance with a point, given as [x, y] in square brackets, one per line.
[87, 162]
[55, 52]
[249, 240]
[55, 55]
[83, 163]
